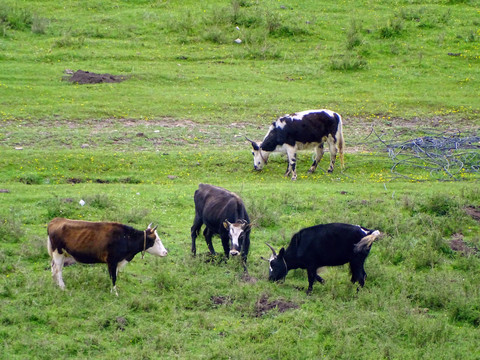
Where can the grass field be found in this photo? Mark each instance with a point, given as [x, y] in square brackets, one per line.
[135, 152]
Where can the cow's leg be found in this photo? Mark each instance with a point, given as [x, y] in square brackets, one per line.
[208, 239]
[312, 274]
[333, 151]
[195, 230]
[245, 248]
[226, 244]
[358, 272]
[292, 161]
[319, 279]
[57, 267]
[112, 270]
[318, 157]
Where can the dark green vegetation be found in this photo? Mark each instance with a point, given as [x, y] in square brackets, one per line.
[135, 152]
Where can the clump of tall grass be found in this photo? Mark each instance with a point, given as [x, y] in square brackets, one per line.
[349, 61]
[393, 28]
[11, 229]
[15, 18]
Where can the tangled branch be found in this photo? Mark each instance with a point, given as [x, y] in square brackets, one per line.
[446, 153]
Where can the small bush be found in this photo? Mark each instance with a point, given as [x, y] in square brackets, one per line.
[439, 205]
[15, 18]
[393, 28]
[99, 201]
[39, 25]
[10, 229]
[347, 62]
[216, 36]
[56, 207]
[31, 179]
[354, 39]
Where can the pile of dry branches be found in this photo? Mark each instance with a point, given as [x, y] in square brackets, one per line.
[449, 152]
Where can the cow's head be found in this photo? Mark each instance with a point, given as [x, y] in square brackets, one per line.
[278, 266]
[260, 157]
[237, 233]
[151, 238]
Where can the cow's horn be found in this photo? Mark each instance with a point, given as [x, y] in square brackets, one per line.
[273, 250]
[253, 142]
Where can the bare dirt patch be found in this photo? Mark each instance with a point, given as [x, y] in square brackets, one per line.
[474, 212]
[459, 245]
[221, 300]
[85, 77]
[264, 305]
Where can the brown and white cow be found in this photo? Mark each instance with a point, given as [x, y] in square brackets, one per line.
[98, 242]
[306, 129]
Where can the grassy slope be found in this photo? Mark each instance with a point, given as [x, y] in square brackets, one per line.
[421, 298]
[184, 63]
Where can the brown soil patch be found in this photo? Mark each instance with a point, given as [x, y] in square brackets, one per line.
[473, 211]
[85, 77]
[458, 244]
[263, 306]
[221, 300]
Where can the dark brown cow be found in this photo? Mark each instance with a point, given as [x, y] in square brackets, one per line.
[223, 213]
[98, 242]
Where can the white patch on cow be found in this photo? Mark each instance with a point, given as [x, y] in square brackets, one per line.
[305, 146]
[57, 267]
[121, 265]
[363, 230]
[376, 233]
[280, 123]
[157, 249]
[300, 115]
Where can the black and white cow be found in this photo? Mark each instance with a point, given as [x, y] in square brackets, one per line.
[299, 131]
[98, 242]
[223, 213]
[324, 245]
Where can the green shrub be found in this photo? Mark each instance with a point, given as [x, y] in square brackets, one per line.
[11, 229]
[15, 18]
[393, 28]
[349, 61]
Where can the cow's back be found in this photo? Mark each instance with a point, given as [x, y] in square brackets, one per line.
[328, 244]
[215, 205]
[88, 242]
[312, 127]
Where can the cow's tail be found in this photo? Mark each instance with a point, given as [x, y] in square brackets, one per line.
[49, 246]
[340, 141]
[366, 242]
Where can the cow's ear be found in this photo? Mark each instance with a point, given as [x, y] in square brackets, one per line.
[226, 224]
[281, 252]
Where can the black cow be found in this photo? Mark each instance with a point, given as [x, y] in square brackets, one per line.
[298, 131]
[223, 213]
[324, 245]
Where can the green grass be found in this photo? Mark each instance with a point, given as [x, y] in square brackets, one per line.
[368, 59]
[136, 151]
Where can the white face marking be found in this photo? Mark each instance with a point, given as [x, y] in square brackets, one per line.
[260, 158]
[272, 257]
[235, 232]
[157, 249]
